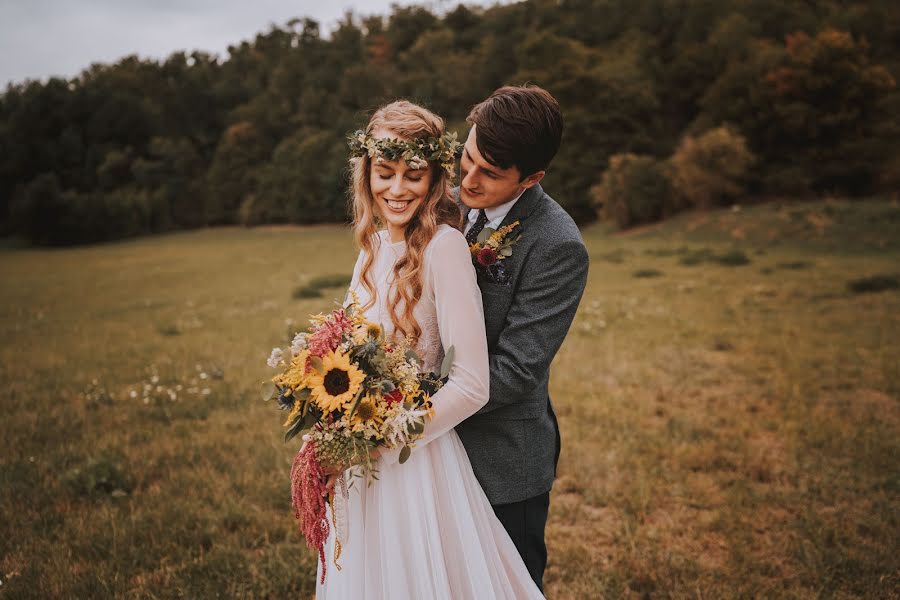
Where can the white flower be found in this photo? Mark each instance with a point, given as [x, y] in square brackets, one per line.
[274, 360]
[397, 426]
[133, 394]
[299, 344]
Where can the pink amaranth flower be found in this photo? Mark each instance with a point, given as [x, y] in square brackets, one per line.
[308, 494]
[326, 337]
[487, 257]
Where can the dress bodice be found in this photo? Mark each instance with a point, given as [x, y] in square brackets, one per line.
[386, 255]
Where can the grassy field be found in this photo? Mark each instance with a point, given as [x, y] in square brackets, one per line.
[728, 405]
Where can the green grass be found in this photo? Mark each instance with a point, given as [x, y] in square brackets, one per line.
[727, 433]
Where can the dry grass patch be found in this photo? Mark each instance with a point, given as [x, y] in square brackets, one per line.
[726, 433]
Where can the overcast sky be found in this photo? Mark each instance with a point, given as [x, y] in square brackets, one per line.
[40, 38]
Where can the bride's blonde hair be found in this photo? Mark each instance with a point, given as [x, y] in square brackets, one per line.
[406, 121]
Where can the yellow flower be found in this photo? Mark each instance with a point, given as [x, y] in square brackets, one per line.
[368, 413]
[293, 414]
[295, 376]
[336, 384]
[366, 330]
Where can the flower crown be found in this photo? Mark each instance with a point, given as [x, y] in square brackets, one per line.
[417, 153]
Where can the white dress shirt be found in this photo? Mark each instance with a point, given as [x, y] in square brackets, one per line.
[494, 214]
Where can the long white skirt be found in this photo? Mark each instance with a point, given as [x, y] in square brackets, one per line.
[425, 530]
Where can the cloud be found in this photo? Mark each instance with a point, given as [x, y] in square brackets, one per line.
[42, 38]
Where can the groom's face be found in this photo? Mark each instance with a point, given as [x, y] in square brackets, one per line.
[482, 184]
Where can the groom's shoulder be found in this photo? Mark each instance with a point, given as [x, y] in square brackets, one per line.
[556, 223]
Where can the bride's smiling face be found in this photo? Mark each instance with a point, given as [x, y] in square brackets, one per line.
[398, 190]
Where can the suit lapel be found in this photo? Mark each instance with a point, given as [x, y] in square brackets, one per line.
[521, 210]
[524, 206]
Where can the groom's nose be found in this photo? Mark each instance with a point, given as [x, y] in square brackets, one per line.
[469, 179]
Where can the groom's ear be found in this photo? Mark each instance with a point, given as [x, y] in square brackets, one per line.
[533, 179]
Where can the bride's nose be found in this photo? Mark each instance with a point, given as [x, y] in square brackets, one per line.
[396, 186]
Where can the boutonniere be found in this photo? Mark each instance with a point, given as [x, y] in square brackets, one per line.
[492, 247]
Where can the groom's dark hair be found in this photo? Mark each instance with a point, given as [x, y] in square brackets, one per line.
[518, 126]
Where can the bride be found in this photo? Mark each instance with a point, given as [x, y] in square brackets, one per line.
[425, 529]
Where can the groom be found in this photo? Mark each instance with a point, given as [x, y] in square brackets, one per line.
[530, 297]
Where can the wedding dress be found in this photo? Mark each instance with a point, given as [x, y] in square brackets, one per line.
[425, 530]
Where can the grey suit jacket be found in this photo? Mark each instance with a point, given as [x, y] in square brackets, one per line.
[513, 441]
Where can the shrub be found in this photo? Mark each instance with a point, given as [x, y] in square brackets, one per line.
[313, 289]
[646, 273]
[733, 258]
[794, 265]
[305, 291]
[100, 477]
[875, 283]
[37, 207]
[50, 216]
[634, 189]
[709, 170]
[696, 257]
[330, 281]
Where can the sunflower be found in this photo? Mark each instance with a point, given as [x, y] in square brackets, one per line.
[336, 384]
[367, 414]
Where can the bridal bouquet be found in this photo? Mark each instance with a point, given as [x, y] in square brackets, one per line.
[348, 390]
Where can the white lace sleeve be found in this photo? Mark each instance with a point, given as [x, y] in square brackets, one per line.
[460, 320]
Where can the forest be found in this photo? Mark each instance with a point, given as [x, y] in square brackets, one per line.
[668, 105]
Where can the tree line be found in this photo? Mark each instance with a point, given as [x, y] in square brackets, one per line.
[803, 92]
